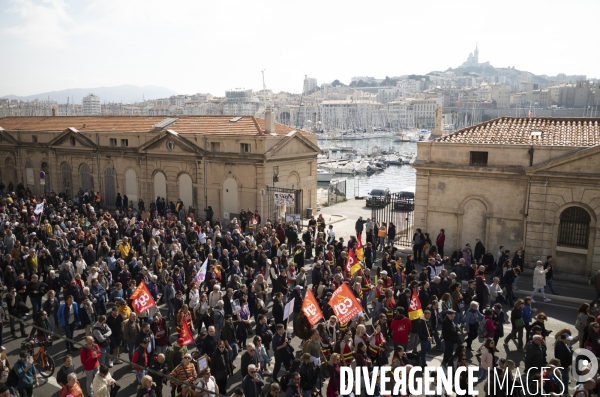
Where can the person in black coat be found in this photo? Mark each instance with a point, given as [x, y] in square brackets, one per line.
[249, 357]
[221, 367]
[534, 356]
[252, 383]
[278, 308]
[451, 336]
[563, 352]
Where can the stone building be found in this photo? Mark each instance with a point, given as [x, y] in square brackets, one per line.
[219, 161]
[531, 183]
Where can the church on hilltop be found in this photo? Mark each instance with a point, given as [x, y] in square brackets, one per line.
[473, 60]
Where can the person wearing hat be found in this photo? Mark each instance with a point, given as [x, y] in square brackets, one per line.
[563, 352]
[451, 336]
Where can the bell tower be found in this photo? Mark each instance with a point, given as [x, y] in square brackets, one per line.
[476, 54]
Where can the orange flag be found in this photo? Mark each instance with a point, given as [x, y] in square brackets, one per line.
[141, 300]
[186, 334]
[311, 309]
[344, 304]
[415, 310]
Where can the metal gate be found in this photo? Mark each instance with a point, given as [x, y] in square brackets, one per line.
[109, 188]
[275, 211]
[399, 210]
[67, 179]
[336, 193]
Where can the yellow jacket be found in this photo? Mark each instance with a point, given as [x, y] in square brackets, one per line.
[124, 248]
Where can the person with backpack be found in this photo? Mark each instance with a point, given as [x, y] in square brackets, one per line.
[486, 328]
[471, 323]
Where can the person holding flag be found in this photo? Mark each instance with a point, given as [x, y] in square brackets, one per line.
[415, 312]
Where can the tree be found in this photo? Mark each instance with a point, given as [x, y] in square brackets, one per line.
[336, 83]
[388, 82]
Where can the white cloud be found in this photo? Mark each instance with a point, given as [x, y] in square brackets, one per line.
[44, 24]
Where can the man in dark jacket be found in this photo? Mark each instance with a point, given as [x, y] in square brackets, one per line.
[228, 336]
[280, 343]
[159, 364]
[451, 336]
[249, 357]
[563, 352]
[425, 336]
[534, 356]
[252, 382]
[278, 308]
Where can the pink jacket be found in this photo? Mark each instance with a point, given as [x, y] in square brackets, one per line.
[490, 327]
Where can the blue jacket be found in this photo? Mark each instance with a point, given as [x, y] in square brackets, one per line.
[527, 314]
[61, 314]
[26, 377]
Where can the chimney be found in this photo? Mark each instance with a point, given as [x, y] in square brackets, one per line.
[269, 121]
[53, 111]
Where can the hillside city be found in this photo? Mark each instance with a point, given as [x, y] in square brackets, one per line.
[468, 94]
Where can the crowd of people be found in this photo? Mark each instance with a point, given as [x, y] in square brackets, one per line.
[74, 266]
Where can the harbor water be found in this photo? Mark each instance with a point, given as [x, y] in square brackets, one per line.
[397, 178]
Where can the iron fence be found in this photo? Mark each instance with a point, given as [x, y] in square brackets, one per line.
[282, 203]
[397, 208]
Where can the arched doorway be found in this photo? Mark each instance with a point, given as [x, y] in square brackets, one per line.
[110, 187]
[131, 188]
[293, 181]
[230, 196]
[85, 179]
[66, 179]
[474, 223]
[160, 186]
[11, 172]
[186, 189]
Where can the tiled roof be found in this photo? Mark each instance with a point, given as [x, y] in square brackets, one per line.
[542, 131]
[247, 125]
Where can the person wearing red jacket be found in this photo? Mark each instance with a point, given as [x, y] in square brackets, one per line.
[401, 327]
[90, 356]
[142, 359]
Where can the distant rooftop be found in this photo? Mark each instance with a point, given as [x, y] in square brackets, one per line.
[539, 131]
[209, 125]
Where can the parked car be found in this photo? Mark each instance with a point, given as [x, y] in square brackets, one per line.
[378, 198]
[404, 201]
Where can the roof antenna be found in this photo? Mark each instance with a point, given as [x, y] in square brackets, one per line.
[264, 89]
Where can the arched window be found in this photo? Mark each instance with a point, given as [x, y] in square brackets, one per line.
[574, 228]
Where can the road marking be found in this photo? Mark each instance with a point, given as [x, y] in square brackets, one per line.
[52, 381]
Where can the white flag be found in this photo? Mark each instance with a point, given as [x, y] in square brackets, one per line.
[39, 208]
[202, 272]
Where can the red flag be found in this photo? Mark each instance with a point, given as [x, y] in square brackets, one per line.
[415, 310]
[311, 309]
[360, 251]
[186, 334]
[141, 300]
[351, 260]
[344, 304]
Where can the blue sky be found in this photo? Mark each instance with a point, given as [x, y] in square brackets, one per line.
[211, 46]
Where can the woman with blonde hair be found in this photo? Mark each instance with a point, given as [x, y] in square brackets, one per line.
[147, 388]
[333, 389]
